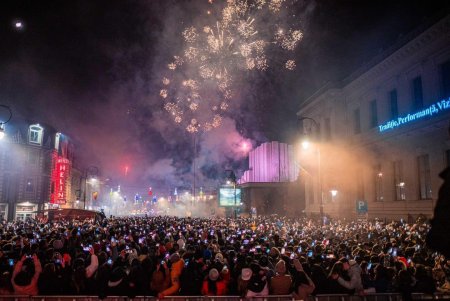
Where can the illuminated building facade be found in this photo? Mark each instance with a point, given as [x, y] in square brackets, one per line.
[271, 162]
[384, 131]
[270, 184]
[35, 166]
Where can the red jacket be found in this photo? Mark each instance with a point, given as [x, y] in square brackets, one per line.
[222, 288]
[221, 285]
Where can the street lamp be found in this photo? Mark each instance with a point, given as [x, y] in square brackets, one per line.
[333, 192]
[305, 145]
[2, 123]
[89, 171]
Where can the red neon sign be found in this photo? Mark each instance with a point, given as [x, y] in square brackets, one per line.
[60, 175]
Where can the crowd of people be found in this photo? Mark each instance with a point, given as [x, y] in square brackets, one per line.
[164, 256]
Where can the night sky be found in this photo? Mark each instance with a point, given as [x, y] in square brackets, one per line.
[92, 70]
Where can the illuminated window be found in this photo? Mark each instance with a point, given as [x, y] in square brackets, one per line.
[356, 121]
[423, 162]
[394, 104]
[399, 183]
[35, 134]
[378, 183]
[417, 93]
[373, 113]
[57, 138]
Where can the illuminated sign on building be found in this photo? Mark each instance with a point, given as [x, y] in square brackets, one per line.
[60, 175]
[430, 111]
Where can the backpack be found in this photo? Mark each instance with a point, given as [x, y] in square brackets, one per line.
[191, 279]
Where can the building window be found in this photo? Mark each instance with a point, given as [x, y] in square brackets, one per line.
[3, 211]
[394, 103]
[399, 184]
[35, 134]
[378, 183]
[417, 93]
[57, 138]
[356, 121]
[327, 129]
[29, 185]
[424, 177]
[373, 114]
[445, 75]
[32, 156]
[359, 184]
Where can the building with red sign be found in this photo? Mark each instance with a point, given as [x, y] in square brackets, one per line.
[35, 169]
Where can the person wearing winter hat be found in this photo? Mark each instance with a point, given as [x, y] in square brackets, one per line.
[280, 284]
[58, 244]
[274, 252]
[215, 284]
[246, 274]
[219, 257]
[181, 243]
[242, 281]
[175, 272]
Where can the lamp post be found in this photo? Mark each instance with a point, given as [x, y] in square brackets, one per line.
[93, 171]
[2, 123]
[305, 145]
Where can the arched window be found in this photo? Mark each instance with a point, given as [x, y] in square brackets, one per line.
[35, 134]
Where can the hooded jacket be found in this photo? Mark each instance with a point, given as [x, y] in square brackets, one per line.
[175, 272]
[355, 279]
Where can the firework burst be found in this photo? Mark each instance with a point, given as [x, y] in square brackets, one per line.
[247, 35]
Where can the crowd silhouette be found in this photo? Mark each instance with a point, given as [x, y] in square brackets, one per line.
[248, 257]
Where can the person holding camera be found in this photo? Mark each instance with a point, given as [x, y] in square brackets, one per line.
[25, 281]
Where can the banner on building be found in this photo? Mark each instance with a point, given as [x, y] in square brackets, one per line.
[59, 179]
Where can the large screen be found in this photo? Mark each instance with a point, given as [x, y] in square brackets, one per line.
[227, 197]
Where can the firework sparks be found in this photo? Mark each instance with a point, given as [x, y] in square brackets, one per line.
[290, 65]
[200, 86]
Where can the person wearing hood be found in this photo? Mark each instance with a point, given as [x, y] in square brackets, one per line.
[354, 272]
[175, 272]
[281, 283]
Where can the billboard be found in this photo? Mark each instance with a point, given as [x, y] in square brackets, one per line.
[227, 197]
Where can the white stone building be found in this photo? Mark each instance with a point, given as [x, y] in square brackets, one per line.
[383, 136]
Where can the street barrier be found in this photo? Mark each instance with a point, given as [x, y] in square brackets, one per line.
[324, 297]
